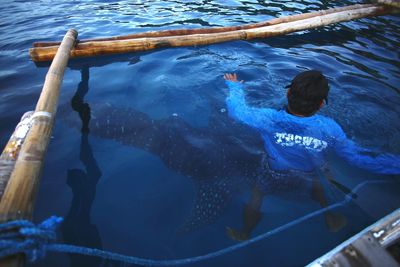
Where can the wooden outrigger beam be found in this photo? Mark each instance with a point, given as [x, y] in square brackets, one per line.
[179, 32]
[19, 195]
[393, 3]
[11, 151]
[176, 38]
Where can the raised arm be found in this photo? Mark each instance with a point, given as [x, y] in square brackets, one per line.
[238, 109]
[381, 163]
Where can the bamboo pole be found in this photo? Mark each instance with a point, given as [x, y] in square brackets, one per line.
[19, 195]
[142, 44]
[11, 150]
[393, 3]
[179, 32]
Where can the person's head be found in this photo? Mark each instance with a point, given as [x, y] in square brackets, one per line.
[307, 93]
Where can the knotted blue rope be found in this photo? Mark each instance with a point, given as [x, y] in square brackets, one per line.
[35, 240]
[23, 236]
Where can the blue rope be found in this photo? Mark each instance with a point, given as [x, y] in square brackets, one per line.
[23, 236]
[150, 262]
[35, 240]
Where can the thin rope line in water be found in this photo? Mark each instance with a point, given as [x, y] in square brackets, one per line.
[149, 262]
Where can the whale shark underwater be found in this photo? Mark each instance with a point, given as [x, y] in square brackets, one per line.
[219, 158]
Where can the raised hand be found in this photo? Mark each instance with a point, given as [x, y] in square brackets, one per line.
[231, 77]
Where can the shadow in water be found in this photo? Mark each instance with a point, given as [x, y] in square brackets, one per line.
[97, 61]
[77, 227]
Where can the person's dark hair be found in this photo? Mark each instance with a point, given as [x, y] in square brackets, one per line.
[307, 90]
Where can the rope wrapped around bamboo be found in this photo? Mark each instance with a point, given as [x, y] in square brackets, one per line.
[96, 48]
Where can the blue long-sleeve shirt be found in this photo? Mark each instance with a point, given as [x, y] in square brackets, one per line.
[301, 143]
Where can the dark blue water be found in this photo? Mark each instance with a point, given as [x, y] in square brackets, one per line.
[164, 170]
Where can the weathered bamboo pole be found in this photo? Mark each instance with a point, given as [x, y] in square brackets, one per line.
[393, 3]
[19, 195]
[11, 150]
[179, 32]
[142, 44]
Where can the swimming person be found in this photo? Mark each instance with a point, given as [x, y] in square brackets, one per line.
[296, 141]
